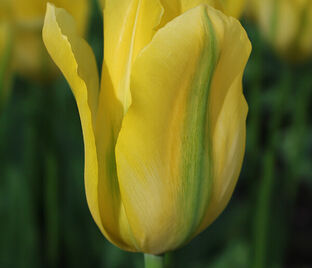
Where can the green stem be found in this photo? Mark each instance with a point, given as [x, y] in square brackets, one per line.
[263, 215]
[154, 261]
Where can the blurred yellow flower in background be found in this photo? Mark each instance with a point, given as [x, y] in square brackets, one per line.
[287, 25]
[234, 8]
[29, 57]
[165, 136]
[251, 9]
[5, 63]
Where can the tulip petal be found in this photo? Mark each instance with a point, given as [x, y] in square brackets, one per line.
[76, 60]
[228, 112]
[228, 152]
[163, 152]
[72, 54]
[129, 25]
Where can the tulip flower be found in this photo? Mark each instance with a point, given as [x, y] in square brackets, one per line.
[165, 135]
[287, 25]
[29, 56]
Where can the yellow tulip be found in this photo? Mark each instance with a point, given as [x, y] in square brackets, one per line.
[29, 57]
[165, 136]
[287, 25]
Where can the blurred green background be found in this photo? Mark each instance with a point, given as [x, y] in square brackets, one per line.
[44, 218]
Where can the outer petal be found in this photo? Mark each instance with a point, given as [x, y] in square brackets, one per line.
[228, 110]
[76, 60]
[163, 149]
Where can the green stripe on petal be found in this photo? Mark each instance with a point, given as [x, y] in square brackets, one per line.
[228, 111]
[196, 165]
[163, 191]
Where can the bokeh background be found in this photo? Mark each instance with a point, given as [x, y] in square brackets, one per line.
[44, 218]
